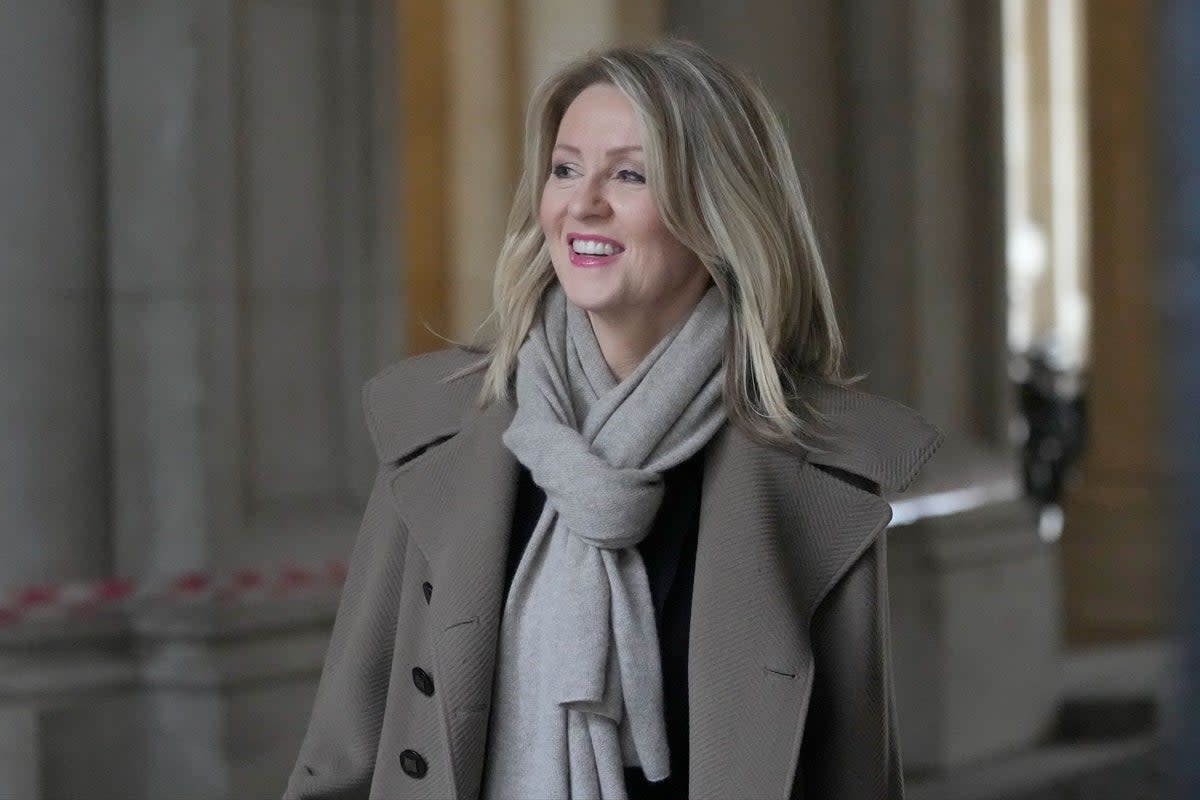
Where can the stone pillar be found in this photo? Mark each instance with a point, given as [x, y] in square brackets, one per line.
[496, 52]
[1113, 549]
[486, 100]
[62, 682]
[555, 31]
[1177, 29]
[53, 397]
[895, 115]
[925, 210]
[254, 289]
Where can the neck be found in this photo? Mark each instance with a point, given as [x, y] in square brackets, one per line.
[626, 338]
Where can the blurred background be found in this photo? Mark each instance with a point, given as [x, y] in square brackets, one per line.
[218, 218]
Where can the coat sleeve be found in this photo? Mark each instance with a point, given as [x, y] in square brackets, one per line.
[337, 758]
[850, 748]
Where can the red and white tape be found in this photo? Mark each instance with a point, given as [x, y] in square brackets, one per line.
[85, 598]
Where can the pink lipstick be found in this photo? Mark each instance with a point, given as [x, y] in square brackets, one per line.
[601, 244]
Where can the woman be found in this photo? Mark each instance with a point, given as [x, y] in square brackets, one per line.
[637, 549]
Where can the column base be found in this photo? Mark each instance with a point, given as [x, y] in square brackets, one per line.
[976, 629]
[213, 700]
[227, 695]
[69, 713]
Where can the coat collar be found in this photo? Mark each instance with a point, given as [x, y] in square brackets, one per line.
[777, 530]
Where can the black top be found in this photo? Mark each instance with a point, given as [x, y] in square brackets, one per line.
[669, 552]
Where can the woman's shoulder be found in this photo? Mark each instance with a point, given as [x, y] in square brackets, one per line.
[871, 436]
[420, 399]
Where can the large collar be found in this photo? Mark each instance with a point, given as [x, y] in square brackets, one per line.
[777, 531]
[411, 405]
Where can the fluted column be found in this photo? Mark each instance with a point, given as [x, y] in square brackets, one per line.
[63, 677]
[924, 210]
[53, 396]
[251, 199]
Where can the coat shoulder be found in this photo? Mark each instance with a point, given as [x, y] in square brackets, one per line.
[871, 436]
[421, 399]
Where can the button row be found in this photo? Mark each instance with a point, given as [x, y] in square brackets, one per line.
[412, 762]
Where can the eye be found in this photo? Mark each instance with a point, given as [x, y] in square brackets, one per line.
[560, 171]
[629, 176]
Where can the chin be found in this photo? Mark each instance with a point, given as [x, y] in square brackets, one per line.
[590, 295]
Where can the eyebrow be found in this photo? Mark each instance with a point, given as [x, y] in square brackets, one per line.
[614, 151]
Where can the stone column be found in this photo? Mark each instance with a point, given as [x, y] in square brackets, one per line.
[1177, 29]
[555, 31]
[1113, 549]
[484, 92]
[60, 679]
[53, 396]
[254, 289]
[496, 52]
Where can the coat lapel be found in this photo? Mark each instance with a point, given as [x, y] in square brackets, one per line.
[775, 533]
[457, 503]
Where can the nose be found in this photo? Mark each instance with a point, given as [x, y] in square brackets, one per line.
[588, 200]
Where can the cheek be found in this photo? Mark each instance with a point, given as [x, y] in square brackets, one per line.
[642, 218]
[550, 211]
[655, 234]
[673, 263]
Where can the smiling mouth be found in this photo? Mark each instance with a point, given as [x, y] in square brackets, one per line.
[585, 257]
[586, 246]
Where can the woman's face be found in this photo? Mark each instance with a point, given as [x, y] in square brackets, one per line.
[609, 247]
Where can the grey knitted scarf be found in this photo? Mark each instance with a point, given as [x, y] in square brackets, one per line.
[578, 692]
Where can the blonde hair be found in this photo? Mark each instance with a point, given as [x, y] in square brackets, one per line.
[722, 174]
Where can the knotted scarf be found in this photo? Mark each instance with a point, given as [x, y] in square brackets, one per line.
[578, 688]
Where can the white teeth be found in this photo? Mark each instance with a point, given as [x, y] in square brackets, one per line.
[590, 247]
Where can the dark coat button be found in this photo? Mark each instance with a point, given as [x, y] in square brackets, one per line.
[427, 588]
[423, 681]
[413, 764]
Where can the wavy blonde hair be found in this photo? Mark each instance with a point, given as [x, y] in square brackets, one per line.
[722, 175]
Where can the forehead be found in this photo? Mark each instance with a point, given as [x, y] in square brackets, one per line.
[602, 118]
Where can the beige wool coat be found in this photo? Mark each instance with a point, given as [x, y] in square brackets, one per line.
[789, 675]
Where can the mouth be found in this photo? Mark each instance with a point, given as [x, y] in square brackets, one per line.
[592, 251]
